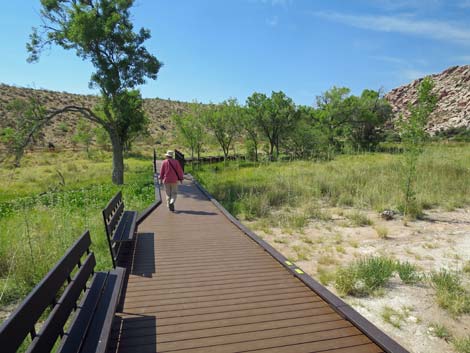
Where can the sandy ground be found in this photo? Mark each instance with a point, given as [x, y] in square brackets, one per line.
[440, 240]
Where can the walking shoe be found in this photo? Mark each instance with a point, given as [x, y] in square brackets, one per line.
[172, 207]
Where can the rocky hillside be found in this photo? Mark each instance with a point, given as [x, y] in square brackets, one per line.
[63, 127]
[453, 89]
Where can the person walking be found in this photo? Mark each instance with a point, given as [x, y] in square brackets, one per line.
[170, 173]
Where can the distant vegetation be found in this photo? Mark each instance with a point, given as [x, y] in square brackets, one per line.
[364, 181]
[277, 128]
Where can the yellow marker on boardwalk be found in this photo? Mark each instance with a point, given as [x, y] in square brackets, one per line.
[288, 263]
[298, 270]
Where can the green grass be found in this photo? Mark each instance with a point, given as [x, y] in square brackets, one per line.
[440, 331]
[368, 276]
[450, 294]
[462, 345]
[392, 317]
[382, 231]
[407, 272]
[466, 267]
[368, 181]
[359, 219]
[41, 215]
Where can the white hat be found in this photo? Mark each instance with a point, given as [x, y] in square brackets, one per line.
[169, 154]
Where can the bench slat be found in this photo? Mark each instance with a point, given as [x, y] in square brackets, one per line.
[73, 338]
[115, 219]
[15, 329]
[53, 327]
[111, 206]
[126, 228]
[100, 328]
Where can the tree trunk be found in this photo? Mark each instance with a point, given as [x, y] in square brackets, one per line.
[118, 160]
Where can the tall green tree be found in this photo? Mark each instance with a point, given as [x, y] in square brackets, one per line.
[101, 31]
[223, 122]
[248, 122]
[413, 135]
[274, 116]
[83, 135]
[332, 114]
[305, 139]
[368, 115]
[191, 129]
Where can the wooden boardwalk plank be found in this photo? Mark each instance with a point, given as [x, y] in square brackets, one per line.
[198, 284]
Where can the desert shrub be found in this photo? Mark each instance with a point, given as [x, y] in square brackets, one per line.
[440, 331]
[450, 294]
[366, 276]
[462, 345]
[363, 277]
[359, 219]
[407, 272]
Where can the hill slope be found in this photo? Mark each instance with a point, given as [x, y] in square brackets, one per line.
[453, 89]
[61, 129]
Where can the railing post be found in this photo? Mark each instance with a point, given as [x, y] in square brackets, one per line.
[154, 162]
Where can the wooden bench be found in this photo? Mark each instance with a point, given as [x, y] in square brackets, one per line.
[120, 225]
[82, 306]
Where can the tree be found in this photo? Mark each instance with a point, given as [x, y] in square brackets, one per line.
[102, 138]
[101, 31]
[413, 135]
[274, 116]
[368, 115]
[222, 121]
[83, 135]
[332, 115]
[191, 128]
[305, 139]
[29, 118]
[248, 121]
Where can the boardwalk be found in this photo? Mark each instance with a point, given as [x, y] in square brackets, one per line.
[199, 284]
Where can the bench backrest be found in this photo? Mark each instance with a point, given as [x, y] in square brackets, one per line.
[112, 214]
[58, 291]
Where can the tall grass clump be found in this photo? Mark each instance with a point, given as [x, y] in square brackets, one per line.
[462, 345]
[368, 275]
[450, 294]
[37, 226]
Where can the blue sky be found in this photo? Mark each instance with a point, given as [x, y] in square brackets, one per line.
[216, 49]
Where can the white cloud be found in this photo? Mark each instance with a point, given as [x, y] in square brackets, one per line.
[272, 21]
[412, 74]
[283, 3]
[465, 4]
[464, 58]
[402, 24]
[393, 5]
[389, 59]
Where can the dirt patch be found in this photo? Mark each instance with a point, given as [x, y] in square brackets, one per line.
[440, 240]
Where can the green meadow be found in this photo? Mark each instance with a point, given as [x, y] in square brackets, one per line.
[296, 191]
[49, 202]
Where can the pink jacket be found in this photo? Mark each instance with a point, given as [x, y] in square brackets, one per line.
[169, 174]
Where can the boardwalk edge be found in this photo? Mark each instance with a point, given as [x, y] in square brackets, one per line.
[158, 201]
[345, 310]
